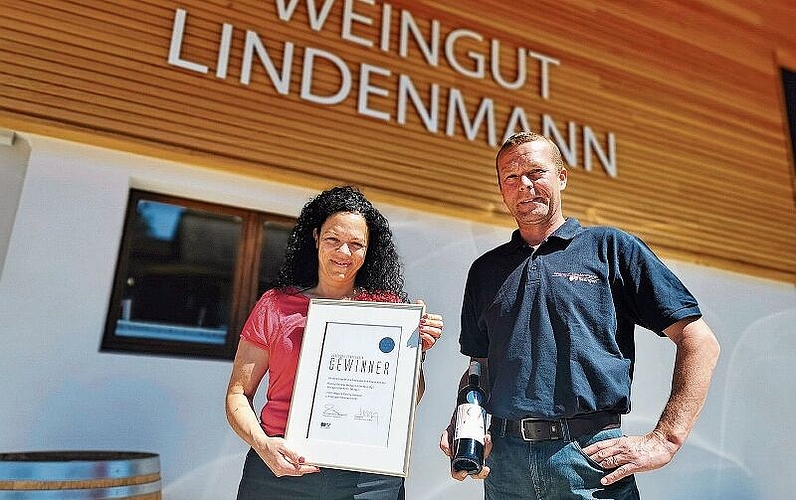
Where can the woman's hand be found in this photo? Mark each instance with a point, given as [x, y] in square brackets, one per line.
[282, 460]
[431, 326]
[248, 369]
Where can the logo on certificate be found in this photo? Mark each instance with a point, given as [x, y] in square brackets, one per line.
[386, 345]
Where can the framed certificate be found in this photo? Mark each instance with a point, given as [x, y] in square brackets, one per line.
[356, 386]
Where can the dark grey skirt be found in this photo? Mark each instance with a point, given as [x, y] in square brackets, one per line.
[260, 483]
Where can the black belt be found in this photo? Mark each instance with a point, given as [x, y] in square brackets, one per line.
[535, 429]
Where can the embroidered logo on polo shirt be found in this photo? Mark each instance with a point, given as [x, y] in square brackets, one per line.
[582, 277]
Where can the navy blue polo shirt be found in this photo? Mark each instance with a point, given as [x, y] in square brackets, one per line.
[557, 324]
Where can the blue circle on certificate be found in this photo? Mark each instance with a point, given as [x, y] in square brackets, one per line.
[386, 345]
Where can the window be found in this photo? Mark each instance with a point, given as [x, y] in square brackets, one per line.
[789, 83]
[188, 273]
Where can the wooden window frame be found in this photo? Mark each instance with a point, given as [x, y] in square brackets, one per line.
[245, 280]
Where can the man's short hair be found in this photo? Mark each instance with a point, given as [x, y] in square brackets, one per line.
[527, 136]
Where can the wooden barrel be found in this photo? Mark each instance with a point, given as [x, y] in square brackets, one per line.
[79, 474]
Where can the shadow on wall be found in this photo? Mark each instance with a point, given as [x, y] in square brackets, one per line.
[14, 154]
[700, 473]
[758, 407]
[222, 474]
[119, 412]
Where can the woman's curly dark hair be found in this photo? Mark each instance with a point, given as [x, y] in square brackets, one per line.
[381, 271]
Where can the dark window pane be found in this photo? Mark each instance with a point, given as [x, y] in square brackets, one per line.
[180, 274]
[789, 84]
[188, 274]
[272, 253]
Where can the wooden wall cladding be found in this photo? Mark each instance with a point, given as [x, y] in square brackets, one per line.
[688, 91]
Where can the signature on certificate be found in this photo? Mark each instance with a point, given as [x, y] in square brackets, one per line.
[331, 411]
[367, 416]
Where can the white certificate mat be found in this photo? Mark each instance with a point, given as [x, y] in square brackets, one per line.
[356, 386]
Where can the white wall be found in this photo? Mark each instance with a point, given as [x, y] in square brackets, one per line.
[59, 392]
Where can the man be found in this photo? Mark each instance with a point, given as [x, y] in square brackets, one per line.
[551, 317]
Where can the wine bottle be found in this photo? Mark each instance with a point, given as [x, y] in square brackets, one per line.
[468, 438]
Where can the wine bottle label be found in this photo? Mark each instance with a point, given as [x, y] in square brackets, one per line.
[470, 420]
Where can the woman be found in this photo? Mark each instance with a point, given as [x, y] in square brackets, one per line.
[341, 248]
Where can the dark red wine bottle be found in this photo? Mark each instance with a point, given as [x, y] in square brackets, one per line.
[468, 439]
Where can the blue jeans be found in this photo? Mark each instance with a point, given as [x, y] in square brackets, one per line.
[551, 470]
[259, 483]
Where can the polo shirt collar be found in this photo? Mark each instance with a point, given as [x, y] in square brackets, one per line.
[567, 231]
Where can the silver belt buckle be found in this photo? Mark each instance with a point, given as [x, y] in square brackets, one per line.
[553, 435]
